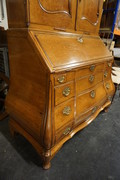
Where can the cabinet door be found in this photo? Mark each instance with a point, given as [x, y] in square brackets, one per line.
[89, 15]
[58, 14]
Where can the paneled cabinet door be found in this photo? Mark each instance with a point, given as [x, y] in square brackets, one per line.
[89, 15]
[56, 13]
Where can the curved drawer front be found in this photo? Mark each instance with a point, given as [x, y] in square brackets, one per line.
[87, 100]
[88, 82]
[89, 69]
[63, 93]
[64, 113]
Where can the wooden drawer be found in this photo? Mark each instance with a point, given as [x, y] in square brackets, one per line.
[64, 114]
[87, 100]
[84, 116]
[64, 131]
[89, 69]
[109, 86]
[63, 78]
[88, 82]
[64, 92]
[91, 111]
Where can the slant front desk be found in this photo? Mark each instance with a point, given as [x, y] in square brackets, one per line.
[60, 70]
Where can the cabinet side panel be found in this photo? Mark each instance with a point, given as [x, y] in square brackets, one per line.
[27, 96]
[17, 13]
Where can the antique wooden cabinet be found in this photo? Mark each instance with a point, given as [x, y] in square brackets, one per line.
[60, 70]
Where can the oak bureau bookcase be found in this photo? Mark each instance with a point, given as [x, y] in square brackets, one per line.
[60, 70]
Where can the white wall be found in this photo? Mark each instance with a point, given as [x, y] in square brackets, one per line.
[3, 15]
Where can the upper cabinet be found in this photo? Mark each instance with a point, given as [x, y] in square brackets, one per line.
[56, 13]
[89, 14]
[80, 15]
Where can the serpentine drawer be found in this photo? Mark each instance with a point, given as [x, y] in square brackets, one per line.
[88, 82]
[89, 69]
[89, 98]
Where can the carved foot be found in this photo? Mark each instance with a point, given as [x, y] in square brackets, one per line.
[12, 132]
[46, 165]
[46, 160]
[106, 110]
[12, 129]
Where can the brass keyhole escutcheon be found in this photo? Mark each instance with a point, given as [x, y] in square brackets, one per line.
[61, 79]
[105, 74]
[91, 78]
[67, 131]
[92, 67]
[66, 111]
[92, 94]
[66, 92]
[107, 86]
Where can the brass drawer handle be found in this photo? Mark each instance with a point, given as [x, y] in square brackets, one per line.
[110, 98]
[107, 86]
[61, 79]
[80, 39]
[109, 64]
[91, 78]
[66, 92]
[66, 111]
[67, 131]
[94, 110]
[105, 74]
[92, 67]
[92, 94]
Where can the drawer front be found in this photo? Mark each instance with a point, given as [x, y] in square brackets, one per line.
[63, 93]
[109, 86]
[64, 114]
[87, 100]
[64, 131]
[88, 82]
[83, 117]
[89, 69]
[63, 78]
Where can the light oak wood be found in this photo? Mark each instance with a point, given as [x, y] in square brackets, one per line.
[60, 71]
